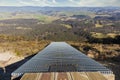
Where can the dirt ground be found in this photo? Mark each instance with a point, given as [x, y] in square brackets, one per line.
[9, 58]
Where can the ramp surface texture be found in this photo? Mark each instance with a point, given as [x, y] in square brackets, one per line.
[61, 57]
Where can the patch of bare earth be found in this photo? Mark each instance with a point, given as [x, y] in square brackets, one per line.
[7, 58]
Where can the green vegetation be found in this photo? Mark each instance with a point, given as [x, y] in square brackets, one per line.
[41, 17]
[9, 15]
[69, 13]
[45, 18]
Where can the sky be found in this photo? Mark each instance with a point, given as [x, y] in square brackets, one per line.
[61, 3]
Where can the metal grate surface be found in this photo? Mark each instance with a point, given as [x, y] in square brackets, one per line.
[61, 57]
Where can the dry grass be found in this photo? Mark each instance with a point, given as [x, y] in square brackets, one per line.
[67, 26]
[98, 25]
[23, 48]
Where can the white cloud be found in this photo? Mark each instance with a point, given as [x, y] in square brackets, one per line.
[59, 2]
[99, 3]
[54, 1]
[34, 3]
[24, 3]
[36, 0]
[71, 0]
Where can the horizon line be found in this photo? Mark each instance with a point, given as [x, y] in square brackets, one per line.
[61, 6]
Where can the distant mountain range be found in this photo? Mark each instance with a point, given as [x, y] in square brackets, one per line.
[37, 8]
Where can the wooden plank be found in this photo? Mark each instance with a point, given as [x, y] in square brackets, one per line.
[62, 76]
[95, 76]
[46, 76]
[38, 76]
[79, 76]
[29, 76]
[55, 75]
[69, 76]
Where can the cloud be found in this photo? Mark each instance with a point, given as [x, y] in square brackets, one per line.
[9, 3]
[60, 3]
[71, 0]
[99, 3]
[54, 1]
[24, 3]
[38, 2]
[34, 2]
